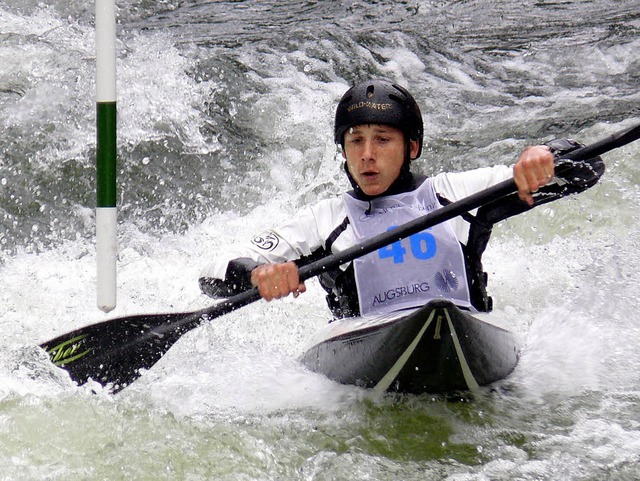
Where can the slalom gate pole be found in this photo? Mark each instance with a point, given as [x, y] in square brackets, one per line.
[106, 212]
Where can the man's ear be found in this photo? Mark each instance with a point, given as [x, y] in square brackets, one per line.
[414, 146]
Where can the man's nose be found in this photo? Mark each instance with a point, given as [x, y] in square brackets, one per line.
[368, 150]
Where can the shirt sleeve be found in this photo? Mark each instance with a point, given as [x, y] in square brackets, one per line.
[456, 186]
[300, 236]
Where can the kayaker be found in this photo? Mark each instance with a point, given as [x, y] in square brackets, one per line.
[379, 129]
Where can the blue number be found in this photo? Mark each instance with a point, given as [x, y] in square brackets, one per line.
[423, 245]
[394, 250]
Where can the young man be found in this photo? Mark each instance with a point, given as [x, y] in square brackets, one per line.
[379, 127]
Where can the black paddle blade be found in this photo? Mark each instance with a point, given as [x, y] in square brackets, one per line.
[113, 352]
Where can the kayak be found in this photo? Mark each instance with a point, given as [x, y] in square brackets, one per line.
[432, 349]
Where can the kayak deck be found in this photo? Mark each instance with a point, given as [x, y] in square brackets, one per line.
[436, 348]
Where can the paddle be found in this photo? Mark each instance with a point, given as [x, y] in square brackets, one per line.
[114, 352]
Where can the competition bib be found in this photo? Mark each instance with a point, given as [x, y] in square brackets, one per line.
[414, 270]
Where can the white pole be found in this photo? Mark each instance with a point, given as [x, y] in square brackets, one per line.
[106, 212]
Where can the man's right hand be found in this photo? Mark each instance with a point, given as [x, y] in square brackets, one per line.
[275, 281]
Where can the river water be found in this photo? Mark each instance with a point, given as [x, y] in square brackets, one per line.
[225, 127]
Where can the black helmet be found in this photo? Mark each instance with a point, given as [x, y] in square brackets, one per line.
[379, 102]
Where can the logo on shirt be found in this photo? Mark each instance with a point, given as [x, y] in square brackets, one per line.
[372, 213]
[446, 281]
[266, 242]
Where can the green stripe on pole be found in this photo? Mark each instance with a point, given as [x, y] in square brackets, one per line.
[106, 154]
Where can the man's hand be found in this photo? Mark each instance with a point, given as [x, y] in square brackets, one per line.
[533, 169]
[275, 281]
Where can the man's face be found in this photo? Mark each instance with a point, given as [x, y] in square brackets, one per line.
[375, 154]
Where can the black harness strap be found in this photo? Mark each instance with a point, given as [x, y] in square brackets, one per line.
[479, 233]
[336, 233]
